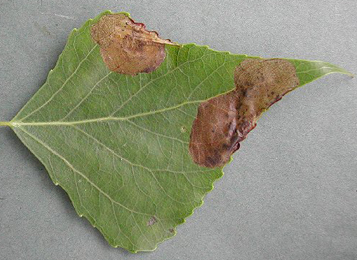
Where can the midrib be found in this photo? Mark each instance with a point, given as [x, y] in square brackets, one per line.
[101, 119]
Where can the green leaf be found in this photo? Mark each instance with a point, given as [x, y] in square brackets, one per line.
[118, 145]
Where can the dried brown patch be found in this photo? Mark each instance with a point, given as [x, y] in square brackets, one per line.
[126, 46]
[224, 121]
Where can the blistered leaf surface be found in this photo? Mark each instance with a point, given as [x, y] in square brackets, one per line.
[224, 121]
[119, 145]
[126, 46]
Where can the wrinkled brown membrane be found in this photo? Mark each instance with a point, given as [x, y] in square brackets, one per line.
[126, 46]
[224, 121]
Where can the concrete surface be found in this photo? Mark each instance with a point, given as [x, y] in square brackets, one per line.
[291, 191]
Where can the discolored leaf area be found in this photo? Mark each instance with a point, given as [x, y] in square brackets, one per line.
[119, 144]
[126, 46]
[224, 121]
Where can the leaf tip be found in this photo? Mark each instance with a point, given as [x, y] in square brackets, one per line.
[350, 74]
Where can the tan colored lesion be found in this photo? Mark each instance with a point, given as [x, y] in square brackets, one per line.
[224, 121]
[126, 46]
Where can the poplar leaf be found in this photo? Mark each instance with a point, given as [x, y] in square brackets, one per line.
[119, 144]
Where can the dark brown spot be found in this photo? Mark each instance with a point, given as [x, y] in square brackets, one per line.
[151, 221]
[126, 46]
[259, 84]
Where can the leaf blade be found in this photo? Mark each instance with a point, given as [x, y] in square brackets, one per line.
[79, 123]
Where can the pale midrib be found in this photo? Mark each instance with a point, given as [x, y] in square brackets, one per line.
[101, 119]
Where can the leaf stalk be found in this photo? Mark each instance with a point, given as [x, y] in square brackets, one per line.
[5, 124]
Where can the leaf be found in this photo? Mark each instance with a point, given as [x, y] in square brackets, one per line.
[119, 145]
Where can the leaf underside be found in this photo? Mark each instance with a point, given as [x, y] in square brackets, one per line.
[118, 145]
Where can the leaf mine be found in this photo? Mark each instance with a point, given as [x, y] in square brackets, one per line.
[224, 121]
[126, 46]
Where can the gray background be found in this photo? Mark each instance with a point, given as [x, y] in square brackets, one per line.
[291, 191]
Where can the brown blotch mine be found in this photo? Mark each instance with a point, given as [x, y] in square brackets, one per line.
[224, 121]
[126, 46]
